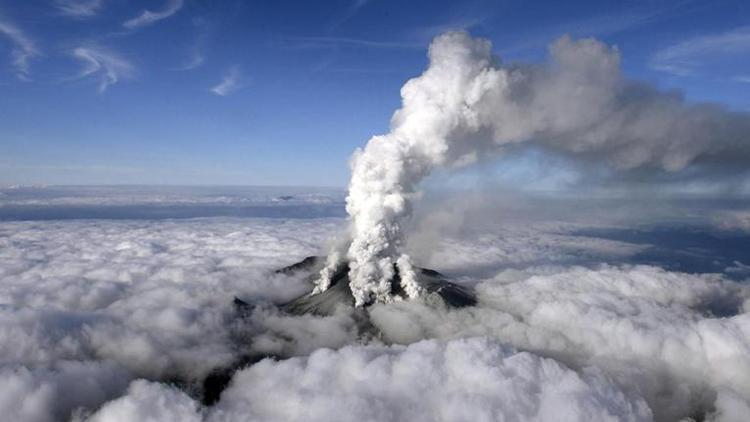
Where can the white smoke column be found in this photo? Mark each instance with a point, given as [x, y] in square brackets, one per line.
[466, 106]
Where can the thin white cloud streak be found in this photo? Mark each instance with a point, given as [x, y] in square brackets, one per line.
[149, 17]
[106, 65]
[79, 8]
[196, 59]
[196, 52]
[352, 42]
[681, 59]
[196, 56]
[351, 11]
[23, 50]
[229, 83]
[737, 220]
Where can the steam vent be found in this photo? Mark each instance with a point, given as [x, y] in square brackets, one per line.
[434, 284]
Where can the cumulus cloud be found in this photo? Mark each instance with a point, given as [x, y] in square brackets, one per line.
[230, 82]
[105, 65]
[149, 17]
[79, 8]
[23, 50]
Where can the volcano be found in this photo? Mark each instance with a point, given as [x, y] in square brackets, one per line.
[436, 287]
[434, 284]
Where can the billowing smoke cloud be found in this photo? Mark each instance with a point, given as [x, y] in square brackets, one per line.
[467, 106]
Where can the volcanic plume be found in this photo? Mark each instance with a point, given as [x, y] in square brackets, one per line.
[468, 105]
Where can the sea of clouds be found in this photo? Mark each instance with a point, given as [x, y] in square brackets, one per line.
[122, 320]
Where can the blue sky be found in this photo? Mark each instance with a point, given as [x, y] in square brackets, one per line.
[281, 92]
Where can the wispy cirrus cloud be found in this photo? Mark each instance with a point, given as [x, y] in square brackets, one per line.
[195, 59]
[79, 8]
[230, 82]
[684, 58]
[196, 53]
[319, 42]
[23, 49]
[148, 17]
[354, 7]
[106, 65]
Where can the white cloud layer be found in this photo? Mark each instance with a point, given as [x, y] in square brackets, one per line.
[101, 319]
[651, 330]
[461, 380]
[130, 300]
